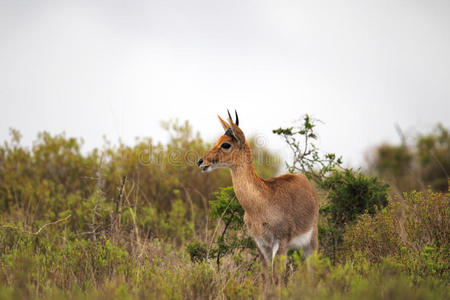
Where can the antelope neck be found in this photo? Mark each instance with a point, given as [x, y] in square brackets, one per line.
[248, 186]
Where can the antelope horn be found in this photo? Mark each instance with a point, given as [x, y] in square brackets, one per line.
[237, 118]
[229, 116]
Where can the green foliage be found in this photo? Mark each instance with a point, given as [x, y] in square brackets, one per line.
[415, 167]
[433, 153]
[415, 234]
[55, 179]
[395, 160]
[306, 157]
[29, 262]
[225, 208]
[350, 194]
[359, 279]
[46, 266]
[197, 251]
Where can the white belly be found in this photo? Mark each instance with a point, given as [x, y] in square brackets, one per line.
[301, 241]
[269, 245]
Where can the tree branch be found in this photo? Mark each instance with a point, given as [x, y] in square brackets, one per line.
[40, 229]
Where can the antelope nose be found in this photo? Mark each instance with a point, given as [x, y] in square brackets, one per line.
[200, 161]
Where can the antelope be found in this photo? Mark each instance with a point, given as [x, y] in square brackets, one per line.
[280, 213]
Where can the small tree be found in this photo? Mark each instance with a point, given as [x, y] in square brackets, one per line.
[305, 154]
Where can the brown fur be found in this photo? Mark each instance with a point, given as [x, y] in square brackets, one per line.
[276, 209]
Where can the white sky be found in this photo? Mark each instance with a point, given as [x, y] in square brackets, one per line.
[118, 68]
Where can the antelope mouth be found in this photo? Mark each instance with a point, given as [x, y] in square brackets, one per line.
[206, 168]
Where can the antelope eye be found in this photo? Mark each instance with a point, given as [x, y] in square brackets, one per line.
[225, 146]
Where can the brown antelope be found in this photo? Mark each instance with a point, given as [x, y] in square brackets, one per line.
[281, 212]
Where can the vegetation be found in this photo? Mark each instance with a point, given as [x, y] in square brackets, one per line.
[306, 157]
[423, 162]
[226, 208]
[132, 222]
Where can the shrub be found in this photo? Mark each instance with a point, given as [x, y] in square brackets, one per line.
[351, 194]
[415, 233]
[359, 279]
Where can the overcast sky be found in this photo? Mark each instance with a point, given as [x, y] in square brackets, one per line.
[117, 68]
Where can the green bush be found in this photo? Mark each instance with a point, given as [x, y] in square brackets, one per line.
[351, 194]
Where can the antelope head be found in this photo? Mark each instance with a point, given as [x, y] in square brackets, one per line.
[230, 149]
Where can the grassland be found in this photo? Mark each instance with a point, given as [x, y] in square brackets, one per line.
[121, 222]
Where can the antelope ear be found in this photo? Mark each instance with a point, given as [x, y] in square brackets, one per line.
[224, 124]
[237, 132]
